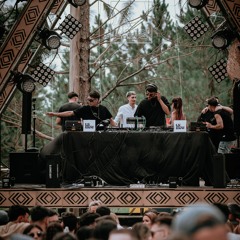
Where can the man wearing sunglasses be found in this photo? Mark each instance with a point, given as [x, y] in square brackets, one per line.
[154, 107]
[93, 111]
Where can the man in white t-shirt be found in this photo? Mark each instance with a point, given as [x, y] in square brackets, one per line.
[127, 110]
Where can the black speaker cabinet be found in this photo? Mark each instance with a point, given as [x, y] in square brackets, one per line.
[24, 167]
[219, 172]
[233, 165]
[53, 171]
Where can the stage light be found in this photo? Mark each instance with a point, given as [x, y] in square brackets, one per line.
[222, 38]
[219, 70]
[42, 74]
[198, 4]
[27, 84]
[195, 28]
[50, 39]
[70, 26]
[77, 3]
[24, 82]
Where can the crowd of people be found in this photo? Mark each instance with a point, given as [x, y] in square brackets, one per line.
[215, 221]
[155, 109]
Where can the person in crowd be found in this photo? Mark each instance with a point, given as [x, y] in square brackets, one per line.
[39, 216]
[122, 234]
[103, 210]
[234, 216]
[154, 108]
[224, 123]
[103, 228]
[149, 216]
[88, 219]
[177, 110]
[92, 206]
[53, 216]
[201, 222]
[70, 106]
[142, 231]
[3, 217]
[208, 116]
[127, 110]
[65, 236]
[69, 221]
[225, 211]
[161, 227]
[18, 220]
[115, 218]
[53, 229]
[84, 233]
[34, 231]
[93, 111]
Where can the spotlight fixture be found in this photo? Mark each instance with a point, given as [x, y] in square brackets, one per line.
[195, 28]
[50, 39]
[70, 26]
[24, 82]
[42, 74]
[198, 4]
[77, 3]
[219, 70]
[222, 38]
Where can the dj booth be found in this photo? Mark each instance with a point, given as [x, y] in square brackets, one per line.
[127, 157]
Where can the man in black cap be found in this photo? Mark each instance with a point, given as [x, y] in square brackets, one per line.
[70, 106]
[154, 107]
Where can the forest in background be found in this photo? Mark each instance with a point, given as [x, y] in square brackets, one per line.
[155, 50]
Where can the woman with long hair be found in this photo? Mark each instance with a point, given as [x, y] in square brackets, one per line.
[177, 110]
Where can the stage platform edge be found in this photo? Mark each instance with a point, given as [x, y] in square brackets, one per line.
[154, 197]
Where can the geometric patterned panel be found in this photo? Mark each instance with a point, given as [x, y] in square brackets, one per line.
[57, 6]
[21, 198]
[104, 197]
[186, 198]
[236, 198]
[118, 197]
[49, 198]
[233, 8]
[216, 197]
[211, 7]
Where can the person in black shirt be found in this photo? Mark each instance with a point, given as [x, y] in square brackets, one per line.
[70, 106]
[208, 116]
[154, 107]
[93, 111]
[224, 124]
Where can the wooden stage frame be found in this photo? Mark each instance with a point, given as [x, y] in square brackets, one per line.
[154, 197]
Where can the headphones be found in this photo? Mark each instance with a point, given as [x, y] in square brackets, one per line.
[151, 87]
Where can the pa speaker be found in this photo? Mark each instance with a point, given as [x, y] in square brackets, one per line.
[233, 165]
[25, 167]
[219, 172]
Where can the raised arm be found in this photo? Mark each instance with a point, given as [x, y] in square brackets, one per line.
[60, 114]
[163, 104]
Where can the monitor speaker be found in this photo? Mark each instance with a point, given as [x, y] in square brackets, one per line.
[53, 171]
[25, 168]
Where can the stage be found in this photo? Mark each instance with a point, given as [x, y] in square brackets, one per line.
[153, 197]
[123, 169]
